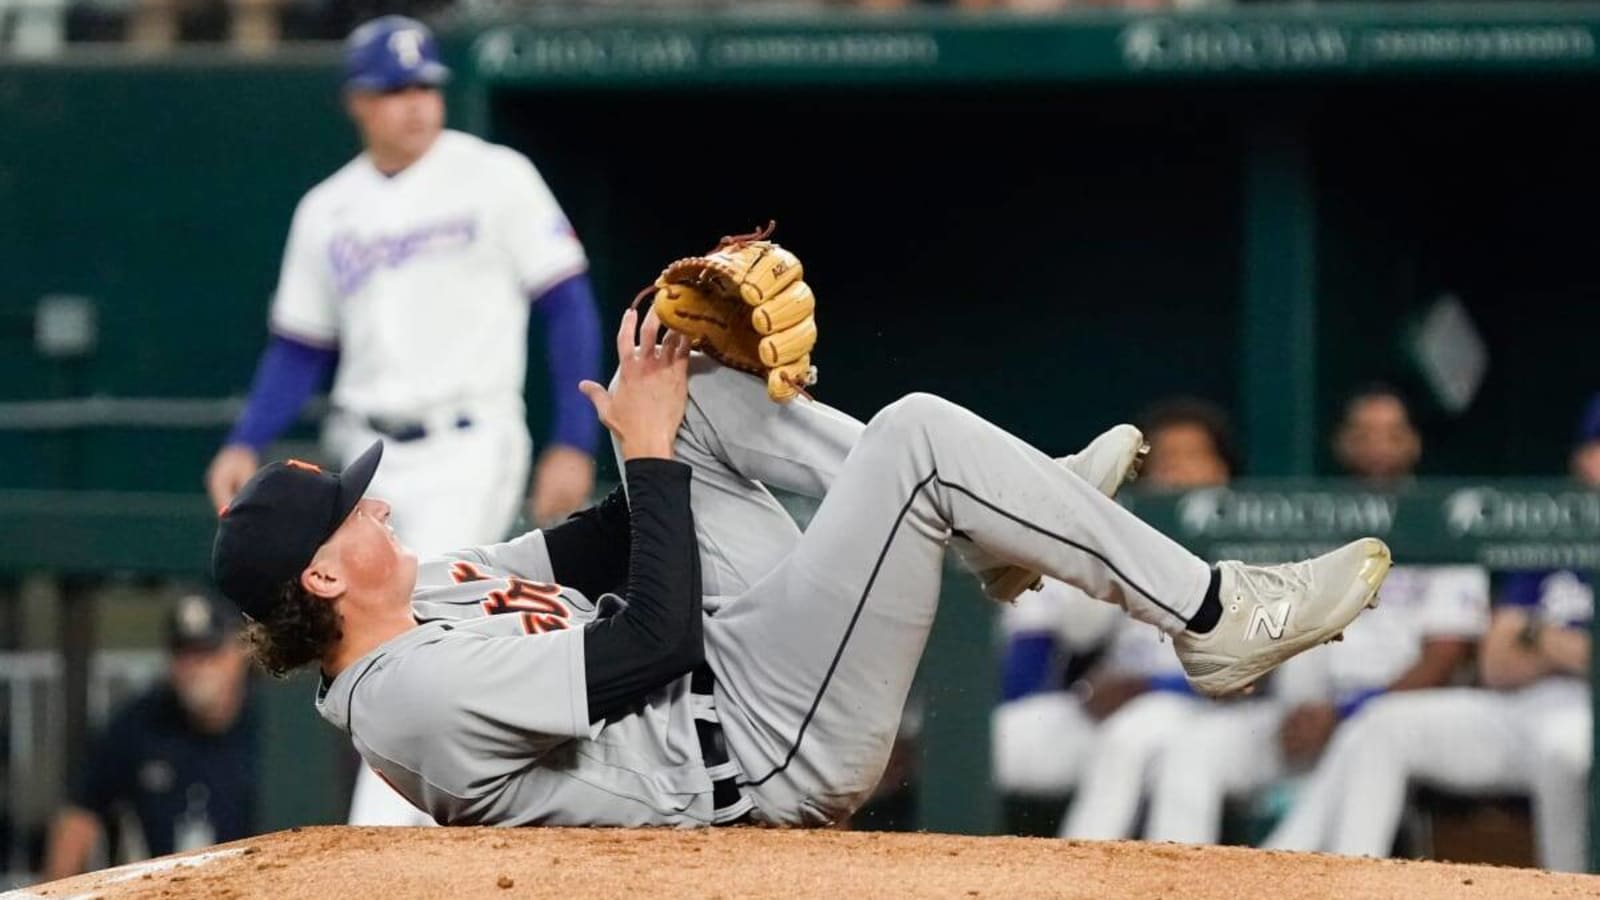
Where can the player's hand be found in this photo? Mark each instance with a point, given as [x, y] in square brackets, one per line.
[562, 483]
[646, 405]
[1306, 730]
[1111, 693]
[229, 470]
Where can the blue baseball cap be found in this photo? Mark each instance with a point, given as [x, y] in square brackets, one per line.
[392, 52]
[1589, 423]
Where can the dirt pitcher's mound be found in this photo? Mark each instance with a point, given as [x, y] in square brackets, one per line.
[339, 863]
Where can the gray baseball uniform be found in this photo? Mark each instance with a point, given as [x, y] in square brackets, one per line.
[813, 638]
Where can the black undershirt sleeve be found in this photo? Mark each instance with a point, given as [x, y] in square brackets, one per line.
[657, 637]
[589, 551]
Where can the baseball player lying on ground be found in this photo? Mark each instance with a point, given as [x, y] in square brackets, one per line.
[689, 657]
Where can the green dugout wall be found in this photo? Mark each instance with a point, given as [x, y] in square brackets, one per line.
[1251, 207]
[1062, 219]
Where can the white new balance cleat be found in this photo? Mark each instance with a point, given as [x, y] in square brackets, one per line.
[1109, 461]
[1270, 613]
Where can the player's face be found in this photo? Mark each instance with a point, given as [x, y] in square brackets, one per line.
[398, 126]
[1378, 441]
[1586, 463]
[207, 681]
[371, 558]
[1183, 455]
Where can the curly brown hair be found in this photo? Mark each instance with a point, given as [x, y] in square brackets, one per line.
[299, 631]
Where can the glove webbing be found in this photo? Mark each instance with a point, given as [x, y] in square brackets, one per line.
[732, 240]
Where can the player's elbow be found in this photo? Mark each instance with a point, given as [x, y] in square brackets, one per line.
[666, 656]
[684, 656]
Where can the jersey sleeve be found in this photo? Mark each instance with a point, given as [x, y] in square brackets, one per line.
[305, 306]
[534, 231]
[526, 556]
[471, 708]
[1455, 602]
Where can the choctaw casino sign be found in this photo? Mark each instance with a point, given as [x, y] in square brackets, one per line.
[1523, 524]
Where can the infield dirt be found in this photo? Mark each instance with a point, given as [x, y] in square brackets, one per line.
[341, 863]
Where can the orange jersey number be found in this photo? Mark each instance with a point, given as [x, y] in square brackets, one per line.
[538, 602]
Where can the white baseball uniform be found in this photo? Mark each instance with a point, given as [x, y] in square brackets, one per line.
[1113, 777]
[1046, 744]
[422, 280]
[1233, 750]
[1534, 740]
[1039, 741]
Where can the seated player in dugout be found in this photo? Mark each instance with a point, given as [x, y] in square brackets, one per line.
[175, 768]
[681, 653]
[1072, 662]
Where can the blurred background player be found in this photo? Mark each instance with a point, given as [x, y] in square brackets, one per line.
[1376, 440]
[1527, 731]
[1139, 701]
[1068, 666]
[1192, 445]
[1421, 635]
[179, 761]
[409, 274]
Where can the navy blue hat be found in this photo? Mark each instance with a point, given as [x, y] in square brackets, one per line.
[1589, 424]
[200, 622]
[392, 52]
[267, 536]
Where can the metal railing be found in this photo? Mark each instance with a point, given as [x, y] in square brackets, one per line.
[33, 721]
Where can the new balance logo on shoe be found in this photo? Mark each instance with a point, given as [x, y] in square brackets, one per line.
[1275, 612]
[1261, 619]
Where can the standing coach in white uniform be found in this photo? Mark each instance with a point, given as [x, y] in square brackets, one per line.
[409, 274]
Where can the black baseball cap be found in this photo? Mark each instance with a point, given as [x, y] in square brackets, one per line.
[269, 533]
[200, 623]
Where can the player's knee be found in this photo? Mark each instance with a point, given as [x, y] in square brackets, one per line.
[1384, 727]
[1130, 738]
[918, 407]
[1024, 735]
[1012, 749]
[1564, 744]
[1187, 760]
[913, 412]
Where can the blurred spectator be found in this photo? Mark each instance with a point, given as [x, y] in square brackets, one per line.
[1088, 695]
[1585, 462]
[1530, 731]
[180, 758]
[253, 26]
[1057, 5]
[33, 27]
[1191, 445]
[1419, 637]
[1376, 440]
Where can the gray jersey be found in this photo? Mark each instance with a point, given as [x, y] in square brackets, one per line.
[480, 714]
[813, 637]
